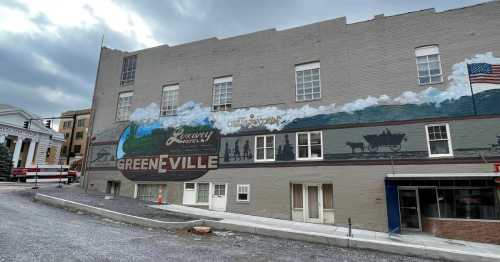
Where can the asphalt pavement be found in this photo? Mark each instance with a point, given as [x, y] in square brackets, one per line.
[32, 231]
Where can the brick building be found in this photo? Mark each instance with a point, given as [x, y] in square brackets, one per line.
[373, 120]
[79, 143]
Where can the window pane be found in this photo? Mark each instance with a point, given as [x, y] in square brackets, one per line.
[260, 153]
[421, 59]
[315, 138]
[269, 141]
[316, 151]
[260, 141]
[424, 80]
[436, 79]
[439, 147]
[297, 195]
[328, 196]
[269, 153]
[303, 152]
[242, 197]
[433, 58]
[202, 194]
[302, 139]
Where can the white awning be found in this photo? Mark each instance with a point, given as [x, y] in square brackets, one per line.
[442, 175]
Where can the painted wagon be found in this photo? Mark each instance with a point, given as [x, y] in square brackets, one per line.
[385, 139]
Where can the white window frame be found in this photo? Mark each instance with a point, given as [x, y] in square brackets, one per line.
[196, 193]
[118, 116]
[308, 146]
[426, 51]
[189, 189]
[238, 186]
[303, 67]
[450, 148]
[128, 70]
[265, 149]
[165, 103]
[216, 101]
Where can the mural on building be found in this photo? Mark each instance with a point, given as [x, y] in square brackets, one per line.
[456, 100]
[233, 153]
[376, 141]
[151, 153]
[186, 146]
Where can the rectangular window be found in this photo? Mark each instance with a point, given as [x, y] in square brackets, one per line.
[169, 100]
[189, 186]
[66, 135]
[438, 140]
[307, 81]
[222, 93]
[79, 135]
[80, 123]
[63, 150]
[67, 124]
[243, 193]
[327, 196]
[468, 203]
[297, 195]
[264, 148]
[219, 190]
[202, 193]
[309, 145]
[128, 70]
[77, 149]
[428, 65]
[123, 108]
[149, 192]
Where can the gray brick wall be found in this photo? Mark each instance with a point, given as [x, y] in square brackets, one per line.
[374, 57]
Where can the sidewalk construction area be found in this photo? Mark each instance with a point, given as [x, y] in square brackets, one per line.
[182, 217]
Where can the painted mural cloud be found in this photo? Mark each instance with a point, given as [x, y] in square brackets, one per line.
[273, 118]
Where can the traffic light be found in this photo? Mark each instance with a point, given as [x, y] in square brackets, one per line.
[48, 123]
[26, 124]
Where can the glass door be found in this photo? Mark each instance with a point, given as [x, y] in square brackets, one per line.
[409, 209]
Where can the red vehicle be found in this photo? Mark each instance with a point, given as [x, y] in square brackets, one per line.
[44, 173]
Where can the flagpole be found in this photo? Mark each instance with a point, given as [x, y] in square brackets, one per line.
[471, 91]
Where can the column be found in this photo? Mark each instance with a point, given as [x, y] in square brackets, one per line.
[31, 153]
[17, 150]
[2, 138]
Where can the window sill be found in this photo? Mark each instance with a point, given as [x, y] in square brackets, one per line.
[305, 101]
[440, 156]
[243, 201]
[432, 84]
[130, 83]
[264, 160]
[309, 159]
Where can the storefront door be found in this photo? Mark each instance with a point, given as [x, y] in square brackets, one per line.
[313, 203]
[409, 209]
[219, 197]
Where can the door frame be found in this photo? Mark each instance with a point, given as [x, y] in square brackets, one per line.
[212, 193]
[415, 188]
[305, 202]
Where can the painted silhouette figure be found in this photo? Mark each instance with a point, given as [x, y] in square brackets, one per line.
[237, 150]
[226, 153]
[279, 156]
[288, 153]
[246, 150]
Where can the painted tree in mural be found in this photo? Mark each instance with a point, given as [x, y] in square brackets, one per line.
[5, 161]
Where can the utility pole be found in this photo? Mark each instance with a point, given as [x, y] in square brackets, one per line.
[68, 154]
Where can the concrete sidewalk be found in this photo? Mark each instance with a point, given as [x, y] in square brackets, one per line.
[412, 244]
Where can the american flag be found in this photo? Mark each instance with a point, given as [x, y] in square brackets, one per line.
[484, 73]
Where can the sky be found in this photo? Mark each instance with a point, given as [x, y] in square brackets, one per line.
[49, 49]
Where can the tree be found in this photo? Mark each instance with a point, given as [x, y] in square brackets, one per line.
[5, 161]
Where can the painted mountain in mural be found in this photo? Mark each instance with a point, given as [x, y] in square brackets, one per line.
[487, 102]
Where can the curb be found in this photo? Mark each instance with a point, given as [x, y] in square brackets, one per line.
[284, 233]
[129, 219]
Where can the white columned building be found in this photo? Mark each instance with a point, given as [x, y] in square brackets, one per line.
[29, 146]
